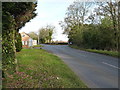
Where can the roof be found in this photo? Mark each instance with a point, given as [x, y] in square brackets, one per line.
[25, 33]
[26, 38]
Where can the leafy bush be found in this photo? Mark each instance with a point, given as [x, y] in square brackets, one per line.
[13, 14]
[18, 43]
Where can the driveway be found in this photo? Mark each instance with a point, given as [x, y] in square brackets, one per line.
[95, 70]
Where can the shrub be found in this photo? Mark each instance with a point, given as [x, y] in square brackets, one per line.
[18, 43]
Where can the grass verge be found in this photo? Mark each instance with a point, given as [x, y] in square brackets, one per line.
[105, 52]
[40, 69]
[38, 46]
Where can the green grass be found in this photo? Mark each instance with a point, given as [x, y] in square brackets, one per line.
[40, 69]
[110, 53]
[38, 45]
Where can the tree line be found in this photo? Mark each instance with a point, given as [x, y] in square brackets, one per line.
[45, 34]
[96, 30]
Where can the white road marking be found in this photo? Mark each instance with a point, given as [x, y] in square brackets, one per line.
[111, 65]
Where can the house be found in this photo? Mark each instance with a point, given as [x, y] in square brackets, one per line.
[27, 41]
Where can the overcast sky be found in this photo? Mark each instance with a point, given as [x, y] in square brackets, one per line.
[49, 12]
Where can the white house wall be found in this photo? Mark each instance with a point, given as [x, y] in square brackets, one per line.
[30, 42]
[34, 42]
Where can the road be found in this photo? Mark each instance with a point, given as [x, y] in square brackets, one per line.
[95, 70]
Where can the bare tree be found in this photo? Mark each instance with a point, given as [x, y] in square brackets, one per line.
[110, 9]
[75, 15]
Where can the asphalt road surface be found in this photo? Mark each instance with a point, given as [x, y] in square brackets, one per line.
[95, 70]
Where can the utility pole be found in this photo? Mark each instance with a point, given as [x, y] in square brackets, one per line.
[38, 38]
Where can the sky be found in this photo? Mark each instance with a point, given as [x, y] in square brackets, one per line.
[49, 12]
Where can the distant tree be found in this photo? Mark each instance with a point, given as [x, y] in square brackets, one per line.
[102, 32]
[110, 9]
[75, 15]
[50, 30]
[33, 35]
[42, 35]
[75, 20]
[119, 24]
[45, 34]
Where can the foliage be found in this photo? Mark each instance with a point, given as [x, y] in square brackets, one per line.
[38, 46]
[100, 33]
[14, 15]
[33, 35]
[22, 12]
[18, 43]
[45, 34]
[105, 52]
[75, 15]
[110, 53]
[8, 41]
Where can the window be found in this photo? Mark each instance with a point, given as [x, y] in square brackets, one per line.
[23, 35]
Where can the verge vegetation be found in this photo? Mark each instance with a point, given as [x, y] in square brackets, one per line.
[40, 69]
[38, 46]
[110, 53]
